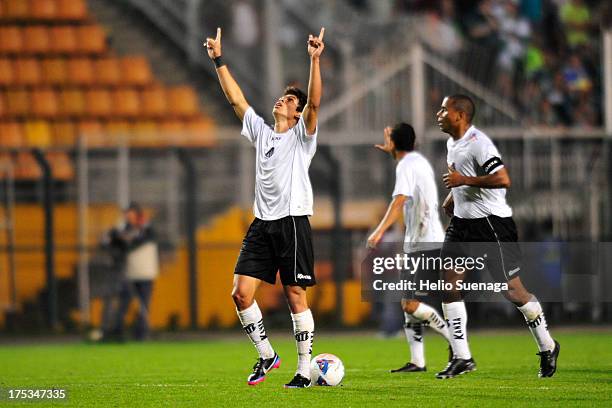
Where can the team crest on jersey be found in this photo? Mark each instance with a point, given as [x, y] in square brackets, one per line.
[269, 153]
[473, 137]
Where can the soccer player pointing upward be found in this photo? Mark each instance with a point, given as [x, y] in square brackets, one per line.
[279, 239]
[477, 203]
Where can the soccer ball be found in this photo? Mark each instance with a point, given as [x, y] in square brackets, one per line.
[326, 369]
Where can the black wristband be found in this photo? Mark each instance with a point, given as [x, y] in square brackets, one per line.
[218, 62]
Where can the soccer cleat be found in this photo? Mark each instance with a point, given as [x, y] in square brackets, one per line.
[298, 381]
[457, 366]
[261, 368]
[409, 368]
[548, 361]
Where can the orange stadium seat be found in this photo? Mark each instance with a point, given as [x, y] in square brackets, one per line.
[26, 167]
[198, 132]
[11, 39]
[18, 102]
[63, 134]
[182, 101]
[91, 39]
[145, 134]
[118, 127]
[6, 72]
[72, 102]
[71, 9]
[54, 71]
[98, 102]
[126, 103]
[63, 40]
[93, 132]
[80, 71]
[107, 71]
[12, 134]
[44, 103]
[172, 132]
[36, 39]
[61, 166]
[16, 9]
[27, 71]
[154, 102]
[43, 9]
[136, 71]
[37, 134]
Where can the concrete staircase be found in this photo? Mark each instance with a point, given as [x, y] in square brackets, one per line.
[131, 33]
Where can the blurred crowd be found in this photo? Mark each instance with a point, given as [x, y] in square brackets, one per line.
[544, 55]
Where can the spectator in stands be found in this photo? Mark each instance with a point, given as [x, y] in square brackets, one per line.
[136, 239]
[560, 101]
[440, 30]
[576, 18]
[514, 32]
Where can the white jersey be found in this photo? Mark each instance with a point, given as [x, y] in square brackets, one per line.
[282, 185]
[475, 155]
[414, 178]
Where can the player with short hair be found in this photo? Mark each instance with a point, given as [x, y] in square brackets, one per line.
[477, 204]
[415, 196]
[279, 239]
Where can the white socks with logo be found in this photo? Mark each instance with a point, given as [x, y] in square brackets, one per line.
[303, 329]
[414, 334]
[430, 317]
[534, 316]
[252, 323]
[456, 316]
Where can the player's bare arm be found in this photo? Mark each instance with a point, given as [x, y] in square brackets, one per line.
[499, 179]
[394, 212]
[311, 110]
[449, 205]
[232, 91]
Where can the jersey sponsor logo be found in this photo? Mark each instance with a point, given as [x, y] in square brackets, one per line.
[301, 276]
[302, 336]
[492, 164]
[269, 153]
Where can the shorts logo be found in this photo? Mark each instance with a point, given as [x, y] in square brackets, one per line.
[300, 276]
[512, 272]
[269, 153]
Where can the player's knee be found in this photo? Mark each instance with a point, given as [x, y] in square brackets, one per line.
[410, 305]
[241, 300]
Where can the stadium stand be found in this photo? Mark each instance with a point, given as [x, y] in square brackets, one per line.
[59, 78]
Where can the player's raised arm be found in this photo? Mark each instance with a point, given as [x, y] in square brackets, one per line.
[232, 91]
[311, 110]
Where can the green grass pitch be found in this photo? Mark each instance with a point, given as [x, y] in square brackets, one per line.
[212, 373]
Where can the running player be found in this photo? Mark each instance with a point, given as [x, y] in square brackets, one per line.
[279, 239]
[478, 181]
[415, 196]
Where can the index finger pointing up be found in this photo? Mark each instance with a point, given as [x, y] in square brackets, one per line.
[321, 33]
[218, 34]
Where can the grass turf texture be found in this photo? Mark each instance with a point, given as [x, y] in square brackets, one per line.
[213, 373]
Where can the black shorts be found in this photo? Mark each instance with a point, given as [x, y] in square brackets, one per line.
[494, 238]
[420, 275]
[284, 246]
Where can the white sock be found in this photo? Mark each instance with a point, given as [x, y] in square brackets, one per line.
[534, 316]
[430, 317]
[303, 328]
[252, 323]
[456, 317]
[414, 334]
